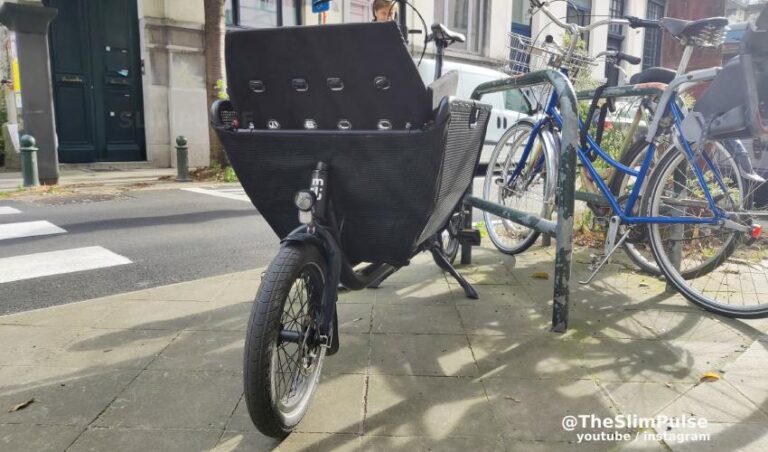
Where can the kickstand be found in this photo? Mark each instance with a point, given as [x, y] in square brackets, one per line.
[469, 291]
[606, 258]
[377, 283]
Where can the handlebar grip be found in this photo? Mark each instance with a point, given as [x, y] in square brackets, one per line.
[628, 58]
[636, 22]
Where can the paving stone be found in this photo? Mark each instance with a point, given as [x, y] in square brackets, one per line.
[203, 350]
[336, 407]
[417, 354]
[609, 359]
[245, 441]
[343, 394]
[424, 293]
[486, 443]
[723, 436]
[174, 316]
[716, 402]
[354, 318]
[25, 345]
[117, 349]
[35, 438]
[202, 291]
[416, 319]
[352, 357]
[133, 440]
[504, 320]
[426, 406]
[72, 396]
[520, 406]
[542, 356]
[502, 294]
[175, 399]
[643, 399]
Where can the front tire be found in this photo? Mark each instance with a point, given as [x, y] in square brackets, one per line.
[280, 375]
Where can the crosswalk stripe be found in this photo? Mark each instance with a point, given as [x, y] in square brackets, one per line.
[28, 229]
[5, 210]
[221, 194]
[29, 266]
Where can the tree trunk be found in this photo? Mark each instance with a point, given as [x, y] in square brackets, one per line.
[214, 66]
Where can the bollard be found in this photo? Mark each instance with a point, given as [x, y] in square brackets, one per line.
[182, 159]
[29, 161]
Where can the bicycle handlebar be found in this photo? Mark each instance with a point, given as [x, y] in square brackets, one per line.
[573, 28]
[636, 22]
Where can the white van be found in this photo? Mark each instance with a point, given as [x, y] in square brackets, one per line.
[508, 106]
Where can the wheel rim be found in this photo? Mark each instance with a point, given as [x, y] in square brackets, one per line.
[449, 238]
[296, 366]
[734, 275]
[531, 197]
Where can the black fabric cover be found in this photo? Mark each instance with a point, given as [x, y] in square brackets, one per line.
[445, 86]
[391, 190]
[273, 60]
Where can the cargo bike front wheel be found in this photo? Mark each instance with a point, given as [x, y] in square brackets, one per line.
[283, 352]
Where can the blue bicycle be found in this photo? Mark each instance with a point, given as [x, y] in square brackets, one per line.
[685, 193]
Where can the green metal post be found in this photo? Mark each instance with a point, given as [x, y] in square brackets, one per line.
[182, 159]
[566, 181]
[29, 161]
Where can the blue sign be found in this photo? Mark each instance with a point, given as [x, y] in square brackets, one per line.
[320, 7]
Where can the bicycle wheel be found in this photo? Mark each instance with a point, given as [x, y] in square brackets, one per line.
[448, 239]
[283, 356]
[531, 191]
[731, 266]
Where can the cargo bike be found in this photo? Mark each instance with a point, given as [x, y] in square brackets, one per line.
[356, 166]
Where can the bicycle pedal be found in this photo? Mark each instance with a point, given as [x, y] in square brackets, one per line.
[469, 237]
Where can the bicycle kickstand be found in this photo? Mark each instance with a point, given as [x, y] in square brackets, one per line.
[610, 247]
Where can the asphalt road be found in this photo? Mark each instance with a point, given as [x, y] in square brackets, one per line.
[168, 235]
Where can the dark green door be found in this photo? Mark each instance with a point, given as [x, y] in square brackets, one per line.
[97, 81]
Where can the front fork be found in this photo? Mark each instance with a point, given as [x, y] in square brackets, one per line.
[315, 214]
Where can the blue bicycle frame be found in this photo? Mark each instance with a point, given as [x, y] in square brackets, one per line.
[553, 116]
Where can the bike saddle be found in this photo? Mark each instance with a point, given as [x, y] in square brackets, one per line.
[703, 32]
[653, 75]
[441, 33]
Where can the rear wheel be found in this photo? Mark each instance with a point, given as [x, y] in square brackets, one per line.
[283, 355]
[448, 239]
[531, 190]
[719, 267]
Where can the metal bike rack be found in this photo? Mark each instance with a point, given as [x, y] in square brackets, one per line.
[564, 191]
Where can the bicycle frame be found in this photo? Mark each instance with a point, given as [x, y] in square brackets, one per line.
[667, 103]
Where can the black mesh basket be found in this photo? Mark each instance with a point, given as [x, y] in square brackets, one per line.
[391, 190]
[348, 95]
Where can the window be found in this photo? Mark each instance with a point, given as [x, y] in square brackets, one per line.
[521, 19]
[616, 10]
[615, 39]
[467, 17]
[357, 11]
[262, 13]
[652, 44]
[579, 12]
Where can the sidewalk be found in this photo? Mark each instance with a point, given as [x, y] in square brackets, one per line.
[99, 175]
[420, 367]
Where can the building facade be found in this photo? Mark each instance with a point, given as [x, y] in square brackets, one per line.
[128, 76]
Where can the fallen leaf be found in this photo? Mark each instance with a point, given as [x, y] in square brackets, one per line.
[668, 385]
[21, 406]
[710, 377]
[642, 284]
[540, 275]
[358, 319]
[512, 399]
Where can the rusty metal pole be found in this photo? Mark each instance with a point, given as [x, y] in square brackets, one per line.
[566, 182]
